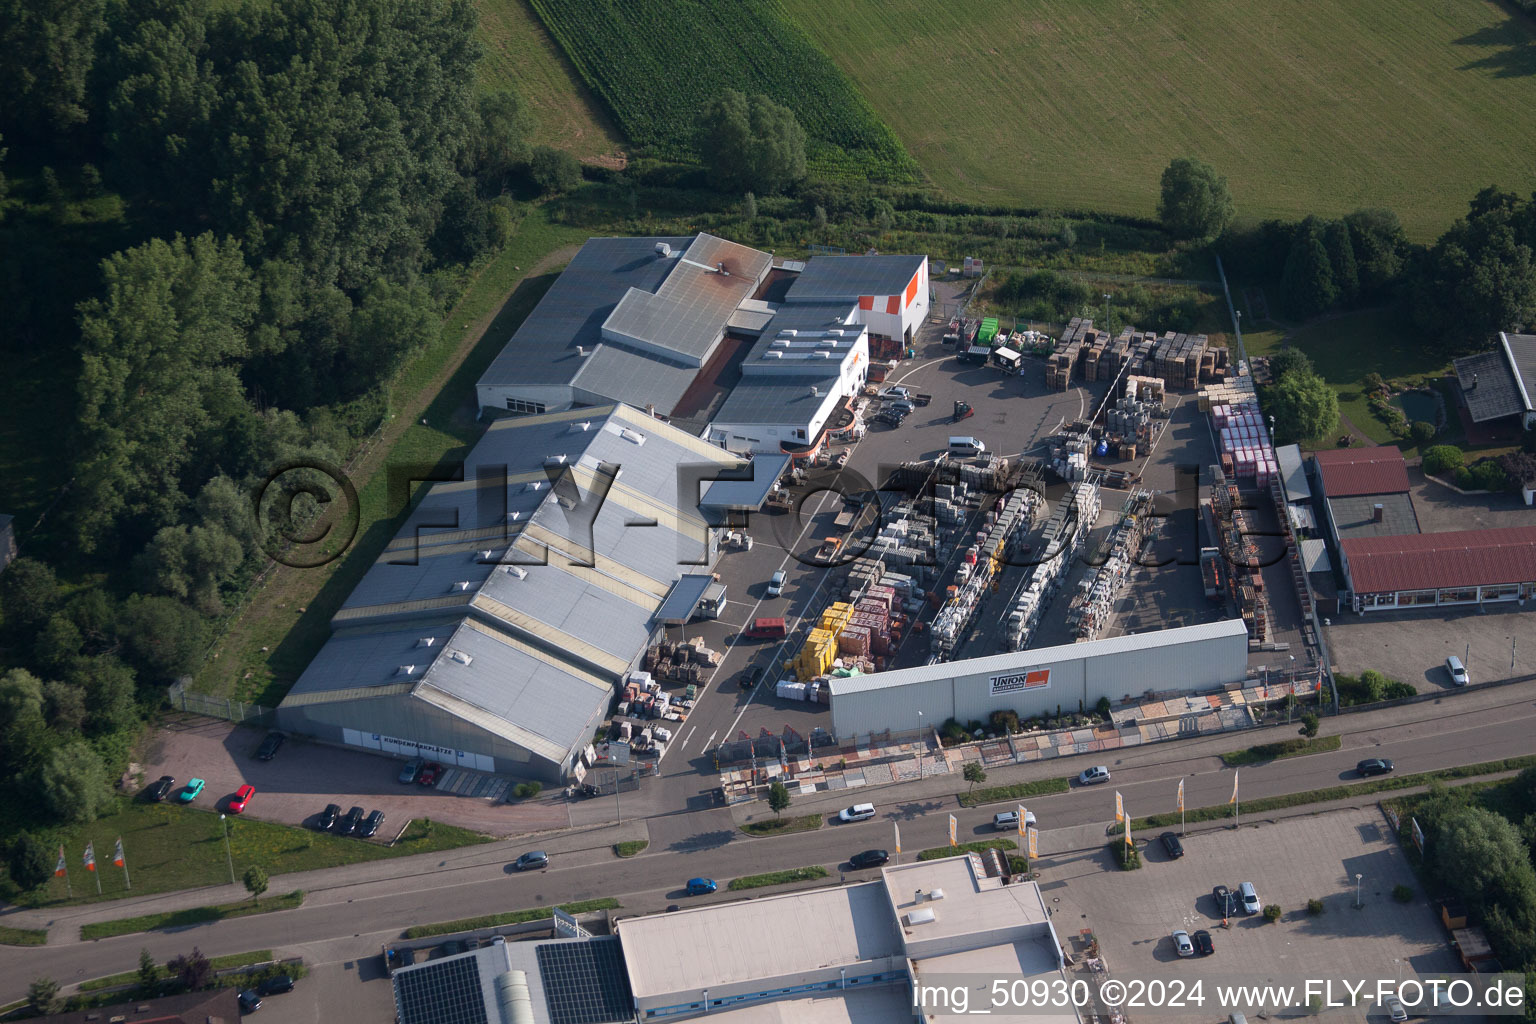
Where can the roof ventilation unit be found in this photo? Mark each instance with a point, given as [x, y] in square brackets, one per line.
[826, 355]
[483, 556]
[923, 916]
[426, 641]
[534, 485]
[406, 670]
[582, 427]
[581, 351]
[513, 517]
[774, 354]
[815, 391]
[936, 894]
[720, 268]
[789, 332]
[663, 250]
[461, 585]
[632, 435]
[460, 657]
[516, 570]
[554, 460]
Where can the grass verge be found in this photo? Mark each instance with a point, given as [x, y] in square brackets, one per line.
[1319, 796]
[192, 915]
[469, 924]
[782, 826]
[173, 847]
[940, 852]
[630, 848]
[22, 936]
[217, 963]
[777, 878]
[1285, 748]
[1017, 791]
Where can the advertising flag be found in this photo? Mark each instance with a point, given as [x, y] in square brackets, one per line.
[1128, 830]
[60, 869]
[1181, 794]
[1034, 846]
[897, 827]
[1233, 798]
[1119, 807]
[954, 831]
[90, 857]
[1023, 814]
[117, 853]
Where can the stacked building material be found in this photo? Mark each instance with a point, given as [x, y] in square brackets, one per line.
[1062, 537]
[1092, 606]
[986, 558]
[1244, 442]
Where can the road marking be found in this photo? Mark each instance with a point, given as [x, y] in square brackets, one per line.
[684, 741]
[711, 741]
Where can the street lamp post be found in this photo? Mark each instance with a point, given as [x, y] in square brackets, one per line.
[1106, 311]
[923, 741]
[1357, 889]
[224, 824]
[1291, 700]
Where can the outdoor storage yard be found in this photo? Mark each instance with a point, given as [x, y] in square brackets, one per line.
[1133, 913]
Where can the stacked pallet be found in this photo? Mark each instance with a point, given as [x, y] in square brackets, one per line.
[1177, 358]
[1062, 365]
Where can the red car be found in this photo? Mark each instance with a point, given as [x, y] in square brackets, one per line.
[430, 773]
[241, 798]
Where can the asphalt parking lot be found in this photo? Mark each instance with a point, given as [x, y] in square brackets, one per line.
[356, 990]
[1133, 913]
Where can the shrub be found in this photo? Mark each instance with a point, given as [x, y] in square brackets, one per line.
[1005, 720]
[1102, 707]
[554, 170]
[1128, 857]
[1373, 383]
[1017, 865]
[1309, 723]
[1272, 912]
[524, 790]
[1421, 432]
[1402, 893]
[1314, 907]
[1488, 475]
[1442, 458]
[1395, 690]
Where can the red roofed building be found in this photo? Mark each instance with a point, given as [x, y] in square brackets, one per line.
[1426, 569]
[1347, 472]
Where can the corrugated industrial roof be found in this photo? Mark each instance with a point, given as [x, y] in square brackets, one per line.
[1293, 473]
[686, 594]
[1349, 471]
[746, 494]
[571, 313]
[1314, 556]
[1355, 516]
[843, 277]
[641, 378]
[761, 399]
[1522, 354]
[1428, 561]
[1064, 652]
[1488, 386]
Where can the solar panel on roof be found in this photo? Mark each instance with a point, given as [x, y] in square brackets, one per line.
[443, 993]
[585, 982]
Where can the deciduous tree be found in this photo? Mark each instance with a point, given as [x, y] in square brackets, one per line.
[1304, 406]
[72, 783]
[750, 143]
[1195, 202]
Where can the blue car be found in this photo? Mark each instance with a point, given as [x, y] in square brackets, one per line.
[701, 886]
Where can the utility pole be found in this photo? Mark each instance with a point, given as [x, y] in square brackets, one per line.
[223, 824]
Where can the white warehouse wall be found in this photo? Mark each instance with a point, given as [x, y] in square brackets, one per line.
[1185, 660]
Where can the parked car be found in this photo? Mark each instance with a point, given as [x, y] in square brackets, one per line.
[869, 859]
[371, 824]
[272, 986]
[1172, 845]
[268, 749]
[1457, 670]
[241, 798]
[776, 583]
[191, 790]
[531, 861]
[1090, 776]
[249, 1001]
[1203, 943]
[701, 886]
[429, 774]
[409, 771]
[1395, 1008]
[896, 392]
[328, 817]
[1182, 943]
[1223, 897]
[161, 788]
[1374, 766]
[1249, 897]
[749, 676]
[348, 824]
[858, 812]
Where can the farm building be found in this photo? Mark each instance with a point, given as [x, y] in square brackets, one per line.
[492, 631]
[1187, 659]
[1501, 385]
[633, 320]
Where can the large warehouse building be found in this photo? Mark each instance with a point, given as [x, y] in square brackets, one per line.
[492, 631]
[1187, 659]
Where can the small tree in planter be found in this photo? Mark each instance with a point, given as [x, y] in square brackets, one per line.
[973, 773]
[1315, 907]
[778, 797]
[1272, 913]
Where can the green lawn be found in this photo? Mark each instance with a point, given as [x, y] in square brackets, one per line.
[190, 916]
[782, 826]
[170, 848]
[519, 53]
[941, 852]
[266, 648]
[22, 936]
[1305, 107]
[777, 878]
[630, 847]
[1018, 791]
[1285, 748]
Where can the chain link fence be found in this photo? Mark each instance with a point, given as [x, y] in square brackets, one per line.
[217, 707]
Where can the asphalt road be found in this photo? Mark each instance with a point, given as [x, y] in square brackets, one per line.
[349, 921]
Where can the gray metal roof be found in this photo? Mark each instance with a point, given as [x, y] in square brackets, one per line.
[776, 399]
[1293, 473]
[571, 313]
[686, 594]
[612, 371]
[839, 277]
[746, 494]
[1522, 356]
[1314, 556]
[1488, 386]
[1065, 652]
[1353, 516]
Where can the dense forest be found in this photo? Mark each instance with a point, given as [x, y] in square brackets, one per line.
[230, 224]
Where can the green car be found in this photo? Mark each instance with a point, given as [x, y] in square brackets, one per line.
[194, 787]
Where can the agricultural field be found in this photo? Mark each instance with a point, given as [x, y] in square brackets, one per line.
[1306, 108]
[655, 63]
[519, 53]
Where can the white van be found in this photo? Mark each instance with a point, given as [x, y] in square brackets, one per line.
[858, 812]
[967, 447]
